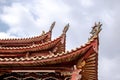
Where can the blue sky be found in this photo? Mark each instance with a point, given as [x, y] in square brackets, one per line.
[27, 18]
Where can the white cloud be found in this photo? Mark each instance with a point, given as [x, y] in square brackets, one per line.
[20, 16]
[48, 11]
[87, 3]
[13, 16]
[108, 17]
[108, 68]
[2, 1]
[4, 35]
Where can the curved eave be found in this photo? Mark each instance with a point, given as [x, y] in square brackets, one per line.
[50, 59]
[35, 47]
[25, 40]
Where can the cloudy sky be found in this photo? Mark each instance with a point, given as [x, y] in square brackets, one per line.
[26, 18]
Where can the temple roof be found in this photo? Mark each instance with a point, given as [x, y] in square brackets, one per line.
[44, 46]
[84, 57]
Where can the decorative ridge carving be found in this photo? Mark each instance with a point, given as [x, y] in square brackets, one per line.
[95, 30]
[66, 28]
[52, 26]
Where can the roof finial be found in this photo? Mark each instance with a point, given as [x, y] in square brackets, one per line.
[52, 26]
[96, 29]
[66, 28]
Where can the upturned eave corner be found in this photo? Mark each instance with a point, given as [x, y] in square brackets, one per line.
[96, 29]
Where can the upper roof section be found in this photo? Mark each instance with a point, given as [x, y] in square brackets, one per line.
[17, 42]
[56, 45]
